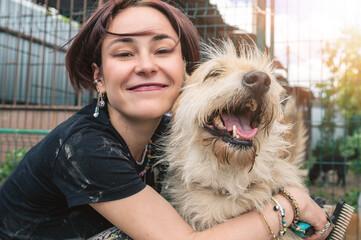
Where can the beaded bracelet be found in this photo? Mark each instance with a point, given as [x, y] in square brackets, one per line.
[268, 226]
[296, 210]
[281, 214]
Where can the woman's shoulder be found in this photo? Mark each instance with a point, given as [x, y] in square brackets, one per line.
[81, 131]
[83, 122]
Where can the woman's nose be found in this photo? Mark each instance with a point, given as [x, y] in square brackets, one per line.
[146, 65]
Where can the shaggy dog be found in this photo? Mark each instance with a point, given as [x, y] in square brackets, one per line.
[227, 150]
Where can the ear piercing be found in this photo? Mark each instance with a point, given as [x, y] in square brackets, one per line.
[100, 100]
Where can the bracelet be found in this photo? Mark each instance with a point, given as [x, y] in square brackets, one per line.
[268, 226]
[294, 204]
[281, 214]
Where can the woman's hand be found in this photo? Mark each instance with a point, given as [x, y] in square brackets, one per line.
[312, 214]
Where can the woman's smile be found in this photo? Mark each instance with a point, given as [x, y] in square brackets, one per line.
[147, 87]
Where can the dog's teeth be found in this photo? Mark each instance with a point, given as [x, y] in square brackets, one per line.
[252, 105]
[219, 123]
[237, 136]
[234, 131]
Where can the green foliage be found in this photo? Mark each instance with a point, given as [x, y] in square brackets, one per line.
[342, 57]
[345, 146]
[325, 148]
[12, 159]
[320, 194]
[351, 198]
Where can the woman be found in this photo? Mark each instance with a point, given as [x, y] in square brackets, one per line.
[92, 172]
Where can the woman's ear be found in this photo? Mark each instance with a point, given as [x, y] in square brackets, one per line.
[97, 74]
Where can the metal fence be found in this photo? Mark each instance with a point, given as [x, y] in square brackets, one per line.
[323, 71]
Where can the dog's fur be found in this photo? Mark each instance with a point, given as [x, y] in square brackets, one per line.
[212, 177]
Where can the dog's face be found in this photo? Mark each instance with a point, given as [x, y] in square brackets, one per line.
[230, 102]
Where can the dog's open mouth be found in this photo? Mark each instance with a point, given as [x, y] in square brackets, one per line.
[238, 127]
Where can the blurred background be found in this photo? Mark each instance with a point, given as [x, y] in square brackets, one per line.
[315, 44]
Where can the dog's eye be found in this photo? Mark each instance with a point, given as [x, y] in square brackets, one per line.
[214, 73]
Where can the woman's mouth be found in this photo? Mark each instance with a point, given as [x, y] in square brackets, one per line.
[145, 87]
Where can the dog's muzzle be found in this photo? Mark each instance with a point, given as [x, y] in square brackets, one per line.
[237, 126]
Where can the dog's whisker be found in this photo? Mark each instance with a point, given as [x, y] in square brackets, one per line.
[214, 146]
[254, 159]
[226, 157]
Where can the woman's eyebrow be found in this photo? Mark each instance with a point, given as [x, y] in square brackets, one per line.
[161, 37]
[155, 38]
[120, 39]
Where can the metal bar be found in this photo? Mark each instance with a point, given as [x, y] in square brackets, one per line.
[28, 75]
[69, 36]
[17, 58]
[42, 58]
[272, 33]
[206, 7]
[39, 107]
[261, 25]
[55, 55]
[6, 53]
[24, 131]
[80, 96]
[84, 10]
[31, 38]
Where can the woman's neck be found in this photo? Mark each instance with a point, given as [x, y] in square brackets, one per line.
[136, 133]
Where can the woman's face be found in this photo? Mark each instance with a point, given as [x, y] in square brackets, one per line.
[141, 75]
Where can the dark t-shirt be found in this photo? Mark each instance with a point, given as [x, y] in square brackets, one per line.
[83, 160]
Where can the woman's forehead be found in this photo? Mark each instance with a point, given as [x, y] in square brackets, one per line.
[142, 20]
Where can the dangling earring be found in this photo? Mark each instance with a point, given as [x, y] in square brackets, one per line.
[100, 101]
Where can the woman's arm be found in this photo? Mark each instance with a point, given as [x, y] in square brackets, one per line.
[147, 215]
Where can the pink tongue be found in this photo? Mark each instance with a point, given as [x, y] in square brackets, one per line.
[242, 124]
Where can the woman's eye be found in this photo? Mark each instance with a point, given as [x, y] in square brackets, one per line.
[164, 51]
[122, 55]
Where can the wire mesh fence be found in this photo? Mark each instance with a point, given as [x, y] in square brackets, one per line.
[316, 50]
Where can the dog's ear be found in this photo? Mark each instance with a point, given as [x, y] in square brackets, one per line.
[297, 134]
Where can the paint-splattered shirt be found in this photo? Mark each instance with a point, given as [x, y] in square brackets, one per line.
[84, 160]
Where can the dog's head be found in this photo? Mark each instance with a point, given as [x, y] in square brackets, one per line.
[230, 102]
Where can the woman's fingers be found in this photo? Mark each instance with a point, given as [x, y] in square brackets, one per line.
[312, 214]
[322, 233]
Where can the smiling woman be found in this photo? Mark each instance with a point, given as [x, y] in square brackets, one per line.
[93, 171]
[142, 67]
[133, 53]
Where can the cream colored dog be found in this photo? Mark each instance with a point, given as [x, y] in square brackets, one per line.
[227, 151]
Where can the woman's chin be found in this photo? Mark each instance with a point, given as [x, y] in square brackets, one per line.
[152, 111]
[152, 115]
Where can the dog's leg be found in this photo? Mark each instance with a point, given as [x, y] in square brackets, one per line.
[326, 179]
[341, 175]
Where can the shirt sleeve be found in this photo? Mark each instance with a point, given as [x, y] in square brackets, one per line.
[93, 166]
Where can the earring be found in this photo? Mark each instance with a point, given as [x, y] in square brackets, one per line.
[100, 101]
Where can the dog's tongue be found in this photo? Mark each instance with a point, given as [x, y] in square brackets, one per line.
[242, 124]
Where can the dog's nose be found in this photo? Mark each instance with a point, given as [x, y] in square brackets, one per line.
[259, 82]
